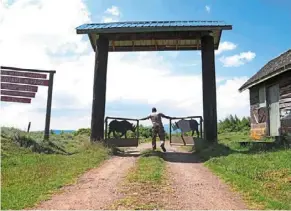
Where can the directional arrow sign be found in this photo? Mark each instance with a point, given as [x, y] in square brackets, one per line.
[19, 87]
[15, 99]
[17, 93]
[31, 81]
[23, 74]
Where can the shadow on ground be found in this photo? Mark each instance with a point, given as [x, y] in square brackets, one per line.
[203, 151]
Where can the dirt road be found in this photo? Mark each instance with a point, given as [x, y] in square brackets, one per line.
[195, 187]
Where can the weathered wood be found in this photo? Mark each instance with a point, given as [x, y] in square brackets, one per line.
[25, 69]
[285, 100]
[285, 105]
[15, 99]
[154, 35]
[17, 93]
[285, 88]
[288, 95]
[30, 81]
[99, 89]
[19, 87]
[23, 74]
[254, 95]
[253, 113]
[285, 82]
[262, 114]
[48, 106]
[209, 88]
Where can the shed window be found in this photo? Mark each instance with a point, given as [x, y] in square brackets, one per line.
[262, 96]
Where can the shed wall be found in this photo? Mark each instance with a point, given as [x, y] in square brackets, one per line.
[259, 110]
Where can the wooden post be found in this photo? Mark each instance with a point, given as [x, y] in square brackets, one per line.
[49, 106]
[99, 89]
[170, 131]
[209, 88]
[106, 127]
[28, 127]
[201, 135]
[137, 132]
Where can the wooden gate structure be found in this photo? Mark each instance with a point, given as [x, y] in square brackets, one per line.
[155, 36]
[186, 125]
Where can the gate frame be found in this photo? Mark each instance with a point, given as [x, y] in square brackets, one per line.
[180, 118]
[121, 118]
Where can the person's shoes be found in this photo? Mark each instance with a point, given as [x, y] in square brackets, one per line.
[163, 148]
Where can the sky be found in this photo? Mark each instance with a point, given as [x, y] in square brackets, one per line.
[41, 34]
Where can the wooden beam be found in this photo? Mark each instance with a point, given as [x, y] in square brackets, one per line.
[99, 89]
[209, 88]
[24, 69]
[152, 48]
[154, 35]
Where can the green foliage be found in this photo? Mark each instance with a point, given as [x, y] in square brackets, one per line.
[82, 131]
[234, 124]
[145, 132]
[32, 168]
[260, 171]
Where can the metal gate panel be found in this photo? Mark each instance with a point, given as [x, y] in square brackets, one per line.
[121, 141]
[185, 126]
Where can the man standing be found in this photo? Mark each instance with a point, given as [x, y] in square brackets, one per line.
[158, 128]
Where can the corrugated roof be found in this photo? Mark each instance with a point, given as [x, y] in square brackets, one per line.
[274, 67]
[154, 35]
[141, 26]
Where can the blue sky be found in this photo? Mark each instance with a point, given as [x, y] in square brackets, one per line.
[42, 36]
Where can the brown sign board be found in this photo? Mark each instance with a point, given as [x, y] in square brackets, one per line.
[15, 99]
[17, 93]
[31, 81]
[19, 87]
[23, 74]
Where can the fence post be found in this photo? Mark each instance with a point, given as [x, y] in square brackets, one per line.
[28, 128]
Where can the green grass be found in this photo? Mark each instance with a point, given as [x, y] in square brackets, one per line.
[261, 175]
[145, 183]
[150, 168]
[28, 177]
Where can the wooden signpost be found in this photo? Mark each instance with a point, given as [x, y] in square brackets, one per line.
[19, 85]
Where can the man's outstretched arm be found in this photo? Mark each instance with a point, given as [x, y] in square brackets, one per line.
[165, 116]
[145, 118]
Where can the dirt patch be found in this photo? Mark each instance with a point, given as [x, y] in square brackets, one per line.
[195, 187]
[97, 188]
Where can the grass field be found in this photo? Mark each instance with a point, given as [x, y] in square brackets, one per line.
[145, 184]
[28, 177]
[263, 176]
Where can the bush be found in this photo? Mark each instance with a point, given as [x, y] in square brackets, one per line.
[234, 124]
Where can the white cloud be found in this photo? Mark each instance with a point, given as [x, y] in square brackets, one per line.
[113, 11]
[112, 14]
[32, 38]
[237, 59]
[225, 46]
[207, 8]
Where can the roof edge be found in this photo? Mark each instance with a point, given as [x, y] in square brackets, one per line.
[243, 87]
[151, 29]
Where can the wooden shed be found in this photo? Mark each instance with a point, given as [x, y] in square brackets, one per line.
[270, 98]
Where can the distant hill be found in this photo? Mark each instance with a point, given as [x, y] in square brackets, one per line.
[166, 126]
[65, 131]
